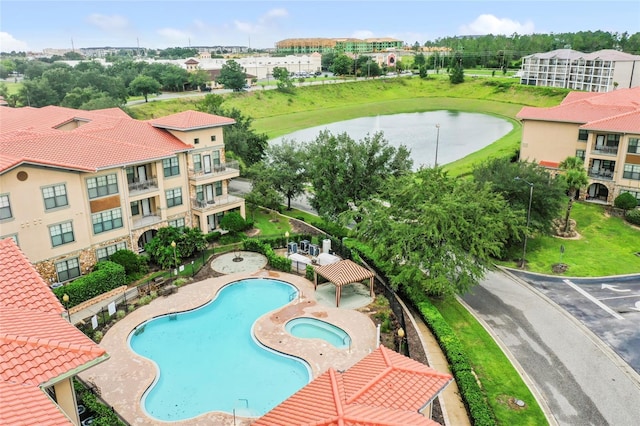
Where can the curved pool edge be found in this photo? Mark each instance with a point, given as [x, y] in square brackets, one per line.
[126, 376]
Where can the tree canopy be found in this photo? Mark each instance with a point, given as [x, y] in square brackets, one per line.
[144, 85]
[576, 177]
[232, 76]
[281, 74]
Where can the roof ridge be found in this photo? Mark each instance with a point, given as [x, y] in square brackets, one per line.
[52, 343]
[333, 380]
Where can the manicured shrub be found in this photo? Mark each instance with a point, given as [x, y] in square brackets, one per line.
[625, 201]
[233, 222]
[277, 262]
[106, 276]
[212, 236]
[132, 262]
[633, 217]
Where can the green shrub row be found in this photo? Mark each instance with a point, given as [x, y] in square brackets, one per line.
[633, 217]
[104, 416]
[472, 395]
[212, 236]
[261, 246]
[105, 277]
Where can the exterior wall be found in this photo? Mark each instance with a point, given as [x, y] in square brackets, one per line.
[549, 141]
[627, 74]
[66, 400]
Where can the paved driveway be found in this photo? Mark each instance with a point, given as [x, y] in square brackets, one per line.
[575, 376]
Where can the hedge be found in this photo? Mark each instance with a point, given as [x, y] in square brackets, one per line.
[633, 217]
[105, 277]
[261, 246]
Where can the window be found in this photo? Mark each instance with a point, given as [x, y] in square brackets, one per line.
[216, 158]
[197, 162]
[613, 140]
[634, 146]
[218, 186]
[580, 153]
[631, 171]
[174, 197]
[171, 167]
[582, 135]
[106, 221]
[196, 141]
[103, 253]
[135, 208]
[213, 138]
[102, 185]
[68, 269]
[177, 223]
[634, 193]
[55, 196]
[61, 233]
[5, 207]
[14, 237]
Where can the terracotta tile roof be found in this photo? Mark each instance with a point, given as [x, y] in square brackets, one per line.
[549, 164]
[37, 345]
[344, 272]
[623, 123]
[22, 286]
[621, 105]
[189, 120]
[384, 388]
[35, 406]
[104, 138]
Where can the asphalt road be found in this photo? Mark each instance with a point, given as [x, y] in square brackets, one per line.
[240, 187]
[577, 376]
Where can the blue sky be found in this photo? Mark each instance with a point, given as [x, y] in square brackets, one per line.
[34, 25]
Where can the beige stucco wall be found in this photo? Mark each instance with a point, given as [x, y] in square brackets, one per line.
[626, 74]
[203, 134]
[548, 141]
[66, 399]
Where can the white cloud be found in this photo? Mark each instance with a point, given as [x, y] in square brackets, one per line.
[108, 23]
[264, 23]
[174, 37]
[9, 43]
[490, 24]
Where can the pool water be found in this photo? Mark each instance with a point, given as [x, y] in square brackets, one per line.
[208, 359]
[311, 328]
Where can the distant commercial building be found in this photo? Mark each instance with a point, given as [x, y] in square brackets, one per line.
[260, 67]
[301, 46]
[600, 71]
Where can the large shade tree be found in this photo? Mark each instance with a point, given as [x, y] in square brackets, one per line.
[232, 76]
[435, 233]
[343, 171]
[576, 177]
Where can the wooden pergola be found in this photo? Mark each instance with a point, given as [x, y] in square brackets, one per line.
[342, 273]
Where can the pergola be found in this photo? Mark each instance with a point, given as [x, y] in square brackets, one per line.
[343, 273]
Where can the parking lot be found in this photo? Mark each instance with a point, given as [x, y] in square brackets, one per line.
[609, 307]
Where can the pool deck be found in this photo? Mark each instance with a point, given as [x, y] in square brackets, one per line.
[123, 379]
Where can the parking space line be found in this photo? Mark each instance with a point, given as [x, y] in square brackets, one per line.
[621, 297]
[593, 299]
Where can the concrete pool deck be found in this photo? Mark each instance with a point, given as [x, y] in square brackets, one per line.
[123, 379]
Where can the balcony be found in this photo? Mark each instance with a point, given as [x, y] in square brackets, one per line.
[143, 186]
[605, 150]
[216, 203]
[601, 174]
[227, 170]
[150, 218]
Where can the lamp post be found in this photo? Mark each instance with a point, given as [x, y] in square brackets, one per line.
[65, 300]
[401, 337]
[286, 235]
[175, 256]
[437, 141]
[524, 246]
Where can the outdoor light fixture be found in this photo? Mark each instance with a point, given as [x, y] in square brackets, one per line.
[524, 246]
[401, 336]
[437, 141]
[175, 256]
[65, 300]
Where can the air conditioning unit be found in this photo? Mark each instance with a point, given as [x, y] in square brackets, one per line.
[314, 250]
[304, 246]
[292, 248]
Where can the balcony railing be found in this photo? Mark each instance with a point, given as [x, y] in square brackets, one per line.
[606, 150]
[140, 221]
[143, 186]
[601, 174]
[231, 167]
[217, 201]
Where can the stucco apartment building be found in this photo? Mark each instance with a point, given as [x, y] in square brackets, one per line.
[601, 71]
[75, 186]
[299, 46]
[601, 128]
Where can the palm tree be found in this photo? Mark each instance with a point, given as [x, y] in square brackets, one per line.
[576, 178]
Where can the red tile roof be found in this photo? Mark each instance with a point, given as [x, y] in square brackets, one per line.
[190, 120]
[550, 164]
[104, 139]
[37, 345]
[384, 388]
[612, 111]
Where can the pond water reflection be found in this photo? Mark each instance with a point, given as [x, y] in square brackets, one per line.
[461, 133]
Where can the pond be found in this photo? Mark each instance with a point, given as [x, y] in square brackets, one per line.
[460, 133]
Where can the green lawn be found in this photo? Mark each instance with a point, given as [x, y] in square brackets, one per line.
[12, 87]
[268, 223]
[498, 377]
[607, 246]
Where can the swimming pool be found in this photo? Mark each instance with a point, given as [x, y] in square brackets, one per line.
[208, 360]
[312, 328]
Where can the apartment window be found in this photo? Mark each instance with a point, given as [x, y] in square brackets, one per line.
[583, 135]
[174, 197]
[103, 253]
[14, 237]
[218, 186]
[171, 167]
[68, 269]
[61, 233]
[580, 153]
[196, 141]
[213, 138]
[55, 196]
[135, 208]
[216, 158]
[634, 193]
[613, 140]
[102, 185]
[197, 162]
[634, 146]
[631, 171]
[106, 220]
[177, 223]
[5, 207]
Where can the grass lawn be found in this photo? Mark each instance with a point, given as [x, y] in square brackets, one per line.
[499, 378]
[12, 87]
[269, 224]
[607, 246]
